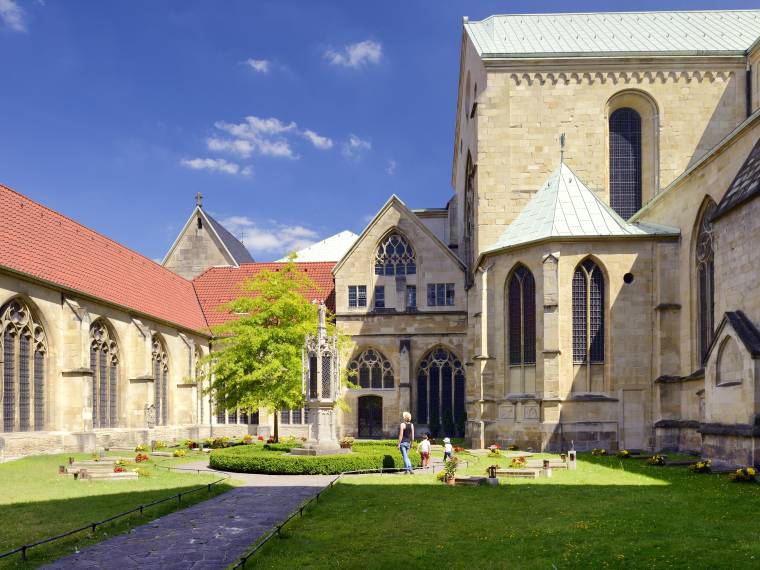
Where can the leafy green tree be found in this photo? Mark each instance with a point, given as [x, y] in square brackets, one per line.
[256, 360]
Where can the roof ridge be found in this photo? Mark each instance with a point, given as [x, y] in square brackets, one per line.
[90, 230]
[601, 13]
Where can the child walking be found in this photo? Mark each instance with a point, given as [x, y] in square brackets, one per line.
[447, 449]
[424, 449]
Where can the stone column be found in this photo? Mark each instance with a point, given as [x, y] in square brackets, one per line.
[404, 380]
[550, 385]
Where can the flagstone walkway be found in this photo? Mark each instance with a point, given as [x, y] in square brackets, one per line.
[209, 535]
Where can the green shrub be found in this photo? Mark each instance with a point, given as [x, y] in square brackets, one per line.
[255, 460]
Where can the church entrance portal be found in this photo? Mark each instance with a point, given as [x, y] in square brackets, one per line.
[370, 417]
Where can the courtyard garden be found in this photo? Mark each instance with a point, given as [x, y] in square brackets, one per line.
[609, 512]
[38, 502]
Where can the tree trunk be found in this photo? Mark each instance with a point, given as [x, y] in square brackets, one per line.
[276, 427]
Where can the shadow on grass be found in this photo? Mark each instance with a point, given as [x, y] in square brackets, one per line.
[641, 517]
[29, 521]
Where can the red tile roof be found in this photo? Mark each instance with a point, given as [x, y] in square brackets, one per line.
[220, 285]
[37, 241]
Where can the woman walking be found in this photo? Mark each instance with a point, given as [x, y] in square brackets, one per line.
[405, 439]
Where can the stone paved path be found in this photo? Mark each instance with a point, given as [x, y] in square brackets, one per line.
[209, 535]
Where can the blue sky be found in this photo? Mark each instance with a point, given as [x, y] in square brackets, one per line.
[295, 119]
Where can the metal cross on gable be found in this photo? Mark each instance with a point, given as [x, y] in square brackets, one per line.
[199, 199]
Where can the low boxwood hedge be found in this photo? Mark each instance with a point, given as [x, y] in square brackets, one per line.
[256, 460]
[286, 447]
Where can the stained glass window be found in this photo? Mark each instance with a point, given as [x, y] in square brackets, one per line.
[521, 299]
[588, 314]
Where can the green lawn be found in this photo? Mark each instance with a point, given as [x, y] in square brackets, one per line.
[36, 502]
[607, 513]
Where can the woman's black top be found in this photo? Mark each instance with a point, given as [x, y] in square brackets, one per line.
[407, 437]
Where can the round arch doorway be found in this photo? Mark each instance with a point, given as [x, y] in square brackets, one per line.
[370, 417]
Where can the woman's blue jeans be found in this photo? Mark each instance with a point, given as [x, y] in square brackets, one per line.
[404, 447]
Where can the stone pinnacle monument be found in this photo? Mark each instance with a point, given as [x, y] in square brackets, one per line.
[321, 386]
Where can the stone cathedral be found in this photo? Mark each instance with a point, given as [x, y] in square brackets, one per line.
[593, 278]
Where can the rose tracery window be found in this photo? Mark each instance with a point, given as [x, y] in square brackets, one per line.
[371, 370]
[395, 256]
[440, 391]
[161, 380]
[705, 257]
[104, 364]
[588, 314]
[24, 349]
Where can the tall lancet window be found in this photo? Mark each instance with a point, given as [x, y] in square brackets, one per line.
[24, 350]
[625, 161]
[104, 364]
[588, 314]
[521, 293]
[469, 216]
[161, 380]
[705, 256]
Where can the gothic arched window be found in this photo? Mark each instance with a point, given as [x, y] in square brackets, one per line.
[588, 314]
[440, 392]
[625, 161]
[371, 369]
[705, 256]
[161, 380]
[23, 369]
[521, 314]
[104, 364]
[395, 256]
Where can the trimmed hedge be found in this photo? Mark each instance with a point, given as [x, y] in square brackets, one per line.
[286, 447]
[252, 460]
[376, 443]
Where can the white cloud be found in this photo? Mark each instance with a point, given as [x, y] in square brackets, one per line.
[215, 165]
[355, 147]
[258, 65]
[239, 147]
[391, 168]
[356, 55]
[318, 141]
[266, 136]
[270, 238]
[12, 16]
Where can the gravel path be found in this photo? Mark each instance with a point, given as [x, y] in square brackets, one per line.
[211, 534]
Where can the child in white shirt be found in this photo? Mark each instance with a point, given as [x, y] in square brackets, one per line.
[447, 449]
[424, 449]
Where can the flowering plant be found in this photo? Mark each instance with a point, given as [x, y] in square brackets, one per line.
[271, 439]
[701, 466]
[458, 449]
[141, 457]
[179, 453]
[450, 468]
[656, 459]
[744, 475]
[141, 448]
[596, 451]
[190, 444]
[260, 438]
[247, 438]
[160, 444]
[119, 469]
[624, 454]
[494, 450]
[518, 462]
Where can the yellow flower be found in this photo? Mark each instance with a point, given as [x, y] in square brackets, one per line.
[750, 471]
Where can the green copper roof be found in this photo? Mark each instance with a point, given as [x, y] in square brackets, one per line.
[565, 207]
[615, 33]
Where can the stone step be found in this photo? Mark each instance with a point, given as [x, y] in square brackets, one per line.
[126, 475]
[539, 464]
[474, 481]
[519, 473]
